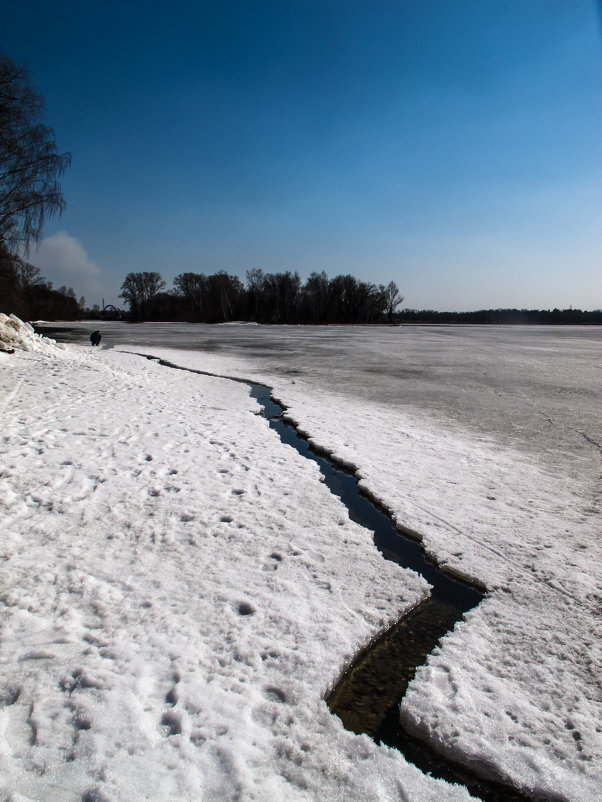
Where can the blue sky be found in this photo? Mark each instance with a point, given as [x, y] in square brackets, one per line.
[453, 146]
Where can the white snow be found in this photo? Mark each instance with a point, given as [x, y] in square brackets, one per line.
[128, 667]
[15, 334]
[178, 593]
[502, 482]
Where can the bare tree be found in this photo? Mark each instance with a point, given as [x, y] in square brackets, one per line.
[224, 292]
[29, 163]
[255, 292]
[282, 295]
[30, 275]
[139, 289]
[393, 299]
[314, 299]
[193, 286]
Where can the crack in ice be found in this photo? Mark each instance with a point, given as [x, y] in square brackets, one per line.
[450, 598]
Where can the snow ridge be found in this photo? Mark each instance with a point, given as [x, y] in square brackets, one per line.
[17, 335]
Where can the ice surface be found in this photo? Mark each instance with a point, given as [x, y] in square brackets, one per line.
[178, 592]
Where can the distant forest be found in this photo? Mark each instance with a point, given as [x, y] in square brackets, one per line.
[271, 298]
[25, 293]
[567, 317]
[282, 298]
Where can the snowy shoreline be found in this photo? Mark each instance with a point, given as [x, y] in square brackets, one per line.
[526, 663]
[114, 553]
[101, 597]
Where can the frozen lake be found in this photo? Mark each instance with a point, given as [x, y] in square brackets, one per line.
[530, 387]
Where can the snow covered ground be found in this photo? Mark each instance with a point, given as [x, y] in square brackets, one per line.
[179, 590]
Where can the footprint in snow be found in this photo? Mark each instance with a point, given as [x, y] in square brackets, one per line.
[171, 697]
[173, 722]
[274, 694]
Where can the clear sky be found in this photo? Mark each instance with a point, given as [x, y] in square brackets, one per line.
[453, 146]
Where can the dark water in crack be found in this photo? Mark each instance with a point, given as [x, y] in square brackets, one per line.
[367, 697]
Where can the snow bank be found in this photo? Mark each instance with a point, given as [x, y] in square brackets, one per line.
[17, 335]
[178, 592]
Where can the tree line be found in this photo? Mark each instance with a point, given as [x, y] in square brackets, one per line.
[501, 317]
[281, 298]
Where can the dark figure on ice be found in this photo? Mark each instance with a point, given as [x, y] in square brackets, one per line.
[95, 338]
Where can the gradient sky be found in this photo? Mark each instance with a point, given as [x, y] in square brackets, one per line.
[453, 146]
